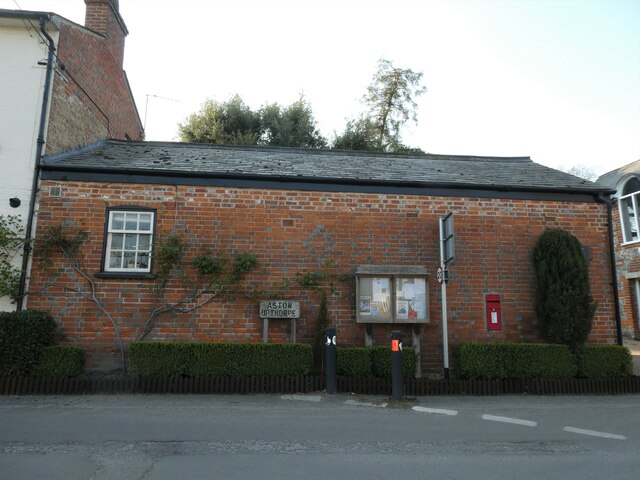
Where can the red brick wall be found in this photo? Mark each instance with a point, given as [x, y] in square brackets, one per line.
[292, 232]
[90, 99]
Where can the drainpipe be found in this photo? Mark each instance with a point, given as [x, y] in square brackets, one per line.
[614, 269]
[36, 169]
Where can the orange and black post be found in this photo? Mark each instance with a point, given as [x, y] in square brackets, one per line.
[397, 386]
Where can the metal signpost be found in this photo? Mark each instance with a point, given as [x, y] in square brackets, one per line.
[447, 254]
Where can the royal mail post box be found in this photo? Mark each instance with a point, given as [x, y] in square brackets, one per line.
[494, 312]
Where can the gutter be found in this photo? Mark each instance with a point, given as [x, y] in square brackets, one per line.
[26, 255]
[51, 166]
[614, 268]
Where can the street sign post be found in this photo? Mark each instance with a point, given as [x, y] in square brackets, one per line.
[447, 254]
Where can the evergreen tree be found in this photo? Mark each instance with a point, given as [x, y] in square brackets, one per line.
[563, 302]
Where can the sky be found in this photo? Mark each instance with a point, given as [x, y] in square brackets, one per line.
[554, 80]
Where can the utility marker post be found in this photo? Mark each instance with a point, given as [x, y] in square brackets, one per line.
[446, 255]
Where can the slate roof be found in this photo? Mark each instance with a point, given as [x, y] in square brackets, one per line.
[321, 166]
[612, 178]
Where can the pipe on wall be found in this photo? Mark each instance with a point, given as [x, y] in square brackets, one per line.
[36, 169]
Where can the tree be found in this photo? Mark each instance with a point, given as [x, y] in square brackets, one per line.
[390, 102]
[583, 171]
[359, 135]
[292, 126]
[227, 123]
[563, 303]
[234, 123]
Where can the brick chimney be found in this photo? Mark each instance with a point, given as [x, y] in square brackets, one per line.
[103, 16]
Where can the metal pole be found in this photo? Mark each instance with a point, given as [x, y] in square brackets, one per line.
[445, 335]
[396, 365]
[330, 356]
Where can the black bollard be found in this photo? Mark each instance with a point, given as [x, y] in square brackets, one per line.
[396, 365]
[330, 356]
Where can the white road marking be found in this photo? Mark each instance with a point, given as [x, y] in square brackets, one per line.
[594, 433]
[365, 404]
[302, 398]
[440, 411]
[515, 421]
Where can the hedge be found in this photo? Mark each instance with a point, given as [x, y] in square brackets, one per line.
[522, 360]
[219, 359]
[353, 362]
[376, 361]
[604, 361]
[514, 360]
[23, 337]
[60, 361]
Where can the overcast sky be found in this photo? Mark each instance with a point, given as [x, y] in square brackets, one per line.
[556, 80]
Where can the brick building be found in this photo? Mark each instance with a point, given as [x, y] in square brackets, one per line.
[366, 226]
[626, 183]
[63, 86]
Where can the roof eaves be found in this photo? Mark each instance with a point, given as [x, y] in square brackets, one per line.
[51, 165]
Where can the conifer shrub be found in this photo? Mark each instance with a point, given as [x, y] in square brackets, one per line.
[563, 303]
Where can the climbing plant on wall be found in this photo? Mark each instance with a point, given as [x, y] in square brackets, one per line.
[178, 286]
[12, 242]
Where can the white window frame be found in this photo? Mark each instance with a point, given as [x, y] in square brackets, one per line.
[628, 220]
[124, 232]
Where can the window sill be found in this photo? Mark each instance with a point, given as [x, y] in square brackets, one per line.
[632, 242]
[125, 275]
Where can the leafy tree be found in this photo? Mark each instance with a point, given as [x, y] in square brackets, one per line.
[359, 135]
[390, 102]
[563, 303]
[227, 123]
[234, 123]
[292, 126]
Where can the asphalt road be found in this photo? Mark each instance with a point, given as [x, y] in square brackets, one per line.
[319, 436]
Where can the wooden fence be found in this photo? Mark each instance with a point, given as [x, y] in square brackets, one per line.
[309, 384]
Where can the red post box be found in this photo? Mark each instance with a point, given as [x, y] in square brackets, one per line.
[494, 312]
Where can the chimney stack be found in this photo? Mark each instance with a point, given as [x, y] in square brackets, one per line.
[103, 16]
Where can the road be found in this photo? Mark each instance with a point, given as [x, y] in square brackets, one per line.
[319, 436]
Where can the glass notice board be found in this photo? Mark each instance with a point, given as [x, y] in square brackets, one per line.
[391, 299]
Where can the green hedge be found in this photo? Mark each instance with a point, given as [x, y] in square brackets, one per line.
[376, 361]
[514, 360]
[381, 361]
[60, 361]
[23, 337]
[219, 359]
[523, 360]
[353, 362]
[604, 361]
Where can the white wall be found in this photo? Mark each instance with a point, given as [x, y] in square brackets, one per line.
[21, 91]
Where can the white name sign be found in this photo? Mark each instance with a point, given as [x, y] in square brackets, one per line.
[280, 309]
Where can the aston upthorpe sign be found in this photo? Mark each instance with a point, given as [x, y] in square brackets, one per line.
[280, 309]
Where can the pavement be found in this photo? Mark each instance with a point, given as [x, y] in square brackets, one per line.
[634, 348]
